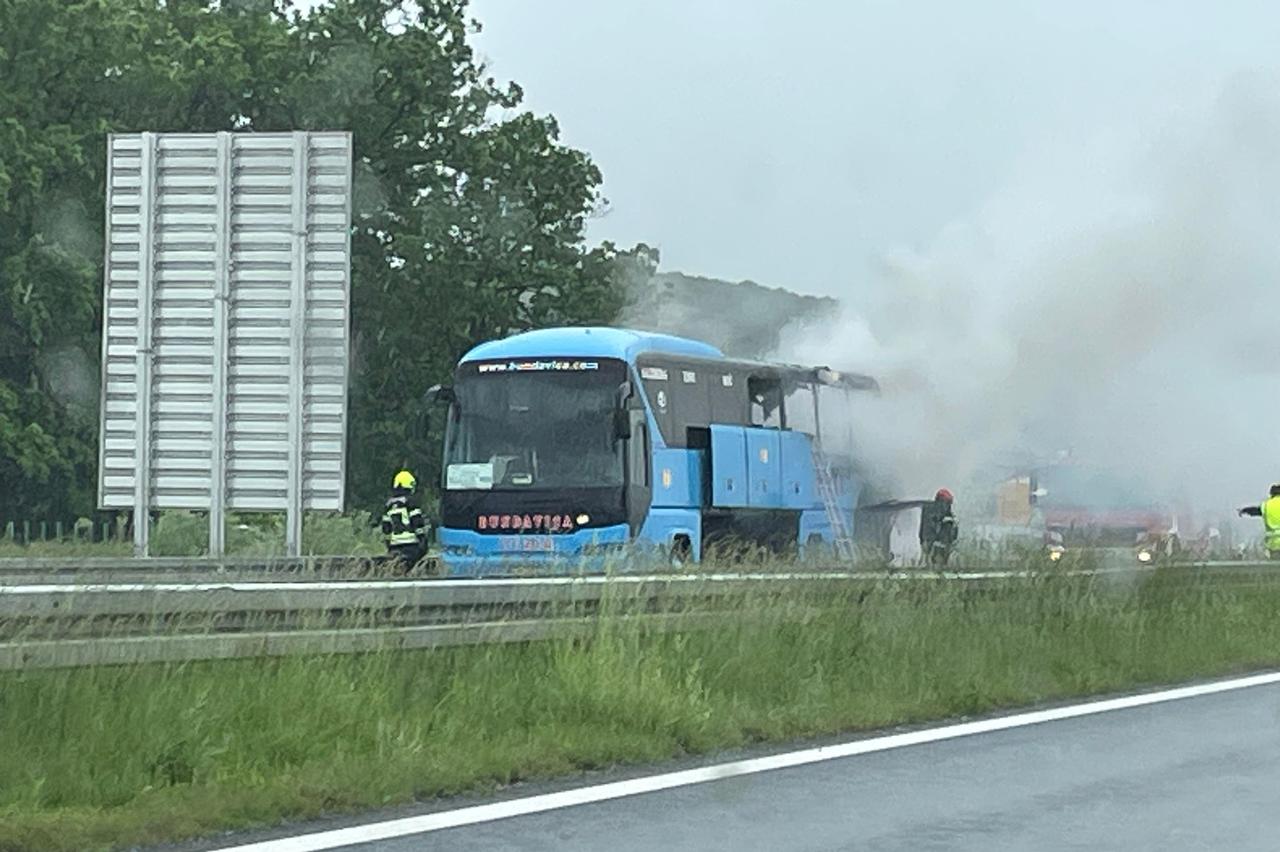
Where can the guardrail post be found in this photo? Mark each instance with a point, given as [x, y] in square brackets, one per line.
[9, 532]
[57, 530]
[26, 532]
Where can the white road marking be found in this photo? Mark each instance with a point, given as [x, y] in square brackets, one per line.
[471, 583]
[426, 823]
[585, 580]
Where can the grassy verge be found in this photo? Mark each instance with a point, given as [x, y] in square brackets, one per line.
[121, 755]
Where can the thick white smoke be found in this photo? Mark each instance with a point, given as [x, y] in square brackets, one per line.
[1119, 297]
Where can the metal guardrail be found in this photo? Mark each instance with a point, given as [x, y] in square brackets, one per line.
[62, 600]
[59, 624]
[198, 564]
[66, 624]
[66, 600]
[133, 650]
[252, 568]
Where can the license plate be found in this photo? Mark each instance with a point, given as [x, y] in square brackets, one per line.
[527, 543]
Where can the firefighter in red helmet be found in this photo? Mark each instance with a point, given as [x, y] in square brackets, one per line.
[938, 528]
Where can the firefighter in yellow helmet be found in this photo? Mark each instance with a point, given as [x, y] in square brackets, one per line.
[402, 523]
[1269, 511]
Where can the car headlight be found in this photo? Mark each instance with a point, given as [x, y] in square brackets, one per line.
[1144, 556]
[1055, 555]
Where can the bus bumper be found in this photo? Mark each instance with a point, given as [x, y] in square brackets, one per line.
[465, 553]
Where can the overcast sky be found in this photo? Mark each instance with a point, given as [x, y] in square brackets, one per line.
[792, 143]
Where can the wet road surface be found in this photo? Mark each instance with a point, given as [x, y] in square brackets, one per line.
[1200, 773]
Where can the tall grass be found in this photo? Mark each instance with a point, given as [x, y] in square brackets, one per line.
[116, 755]
[65, 548]
[178, 533]
[187, 534]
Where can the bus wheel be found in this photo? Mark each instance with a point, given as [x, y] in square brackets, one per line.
[816, 552]
[681, 552]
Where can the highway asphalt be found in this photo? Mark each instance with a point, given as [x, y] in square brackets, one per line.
[1198, 773]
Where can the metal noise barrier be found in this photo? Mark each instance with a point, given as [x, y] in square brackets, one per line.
[226, 314]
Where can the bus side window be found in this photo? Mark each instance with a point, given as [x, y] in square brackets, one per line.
[728, 402]
[659, 390]
[801, 410]
[766, 401]
[835, 419]
[692, 401]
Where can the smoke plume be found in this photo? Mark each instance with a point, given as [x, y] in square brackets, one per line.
[1117, 298]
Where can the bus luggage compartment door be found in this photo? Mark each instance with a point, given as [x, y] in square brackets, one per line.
[764, 465]
[678, 478]
[729, 482]
[798, 487]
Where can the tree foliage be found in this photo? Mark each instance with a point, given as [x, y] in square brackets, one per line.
[468, 216]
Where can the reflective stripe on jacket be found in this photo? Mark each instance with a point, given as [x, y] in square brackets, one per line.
[402, 523]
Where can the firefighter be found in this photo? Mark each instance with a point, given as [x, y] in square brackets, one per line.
[1269, 511]
[402, 523]
[938, 528]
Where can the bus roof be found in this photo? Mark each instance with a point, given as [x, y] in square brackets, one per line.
[627, 344]
[594, 342]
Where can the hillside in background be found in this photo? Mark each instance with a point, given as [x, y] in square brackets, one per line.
[744, 319]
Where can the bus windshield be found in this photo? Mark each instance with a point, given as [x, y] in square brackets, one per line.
[538, 424]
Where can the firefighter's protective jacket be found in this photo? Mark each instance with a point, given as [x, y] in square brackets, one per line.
[402, 522]
[938, 525]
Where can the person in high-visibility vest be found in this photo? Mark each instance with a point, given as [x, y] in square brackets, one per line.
[1270, 514]
[403, 525]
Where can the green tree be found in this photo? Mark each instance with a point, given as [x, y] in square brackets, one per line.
[469, 212]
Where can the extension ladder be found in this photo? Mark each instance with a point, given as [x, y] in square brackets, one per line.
[826, 480]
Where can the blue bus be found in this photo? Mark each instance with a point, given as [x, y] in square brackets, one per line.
[568, 448]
